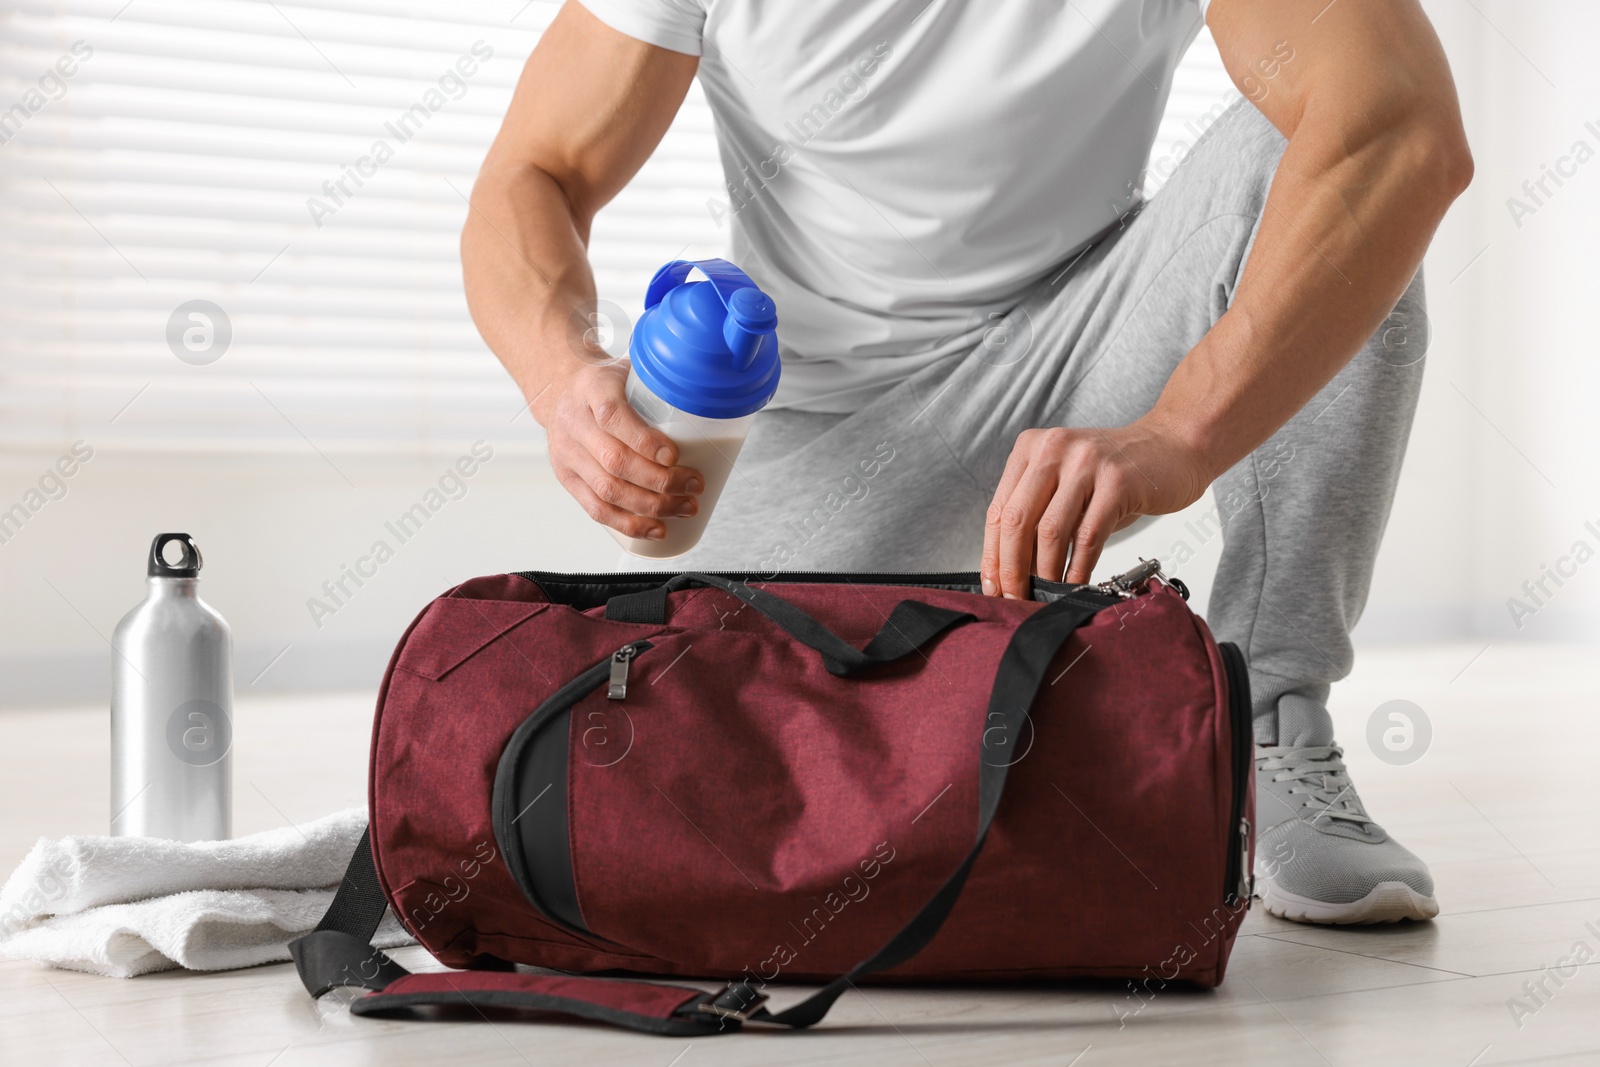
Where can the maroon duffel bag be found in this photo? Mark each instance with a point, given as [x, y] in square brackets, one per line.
[809, 776]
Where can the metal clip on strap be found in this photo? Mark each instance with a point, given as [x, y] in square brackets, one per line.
[738, 1001]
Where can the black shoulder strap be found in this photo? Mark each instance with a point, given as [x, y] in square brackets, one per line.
[337, 952]
[909, 626]
[359, 904]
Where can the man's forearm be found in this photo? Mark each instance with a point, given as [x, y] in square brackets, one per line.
[528, 282]
[1342, 233]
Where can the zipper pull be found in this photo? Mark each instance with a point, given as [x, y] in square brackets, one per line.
[1247, 877]
[619, 672]
[1126, 584]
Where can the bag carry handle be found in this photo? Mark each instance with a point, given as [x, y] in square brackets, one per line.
[909, 626]
[337, 953]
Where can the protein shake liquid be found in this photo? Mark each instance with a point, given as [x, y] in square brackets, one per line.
[704, 361]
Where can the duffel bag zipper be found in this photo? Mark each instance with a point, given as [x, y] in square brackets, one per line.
[620, 659]
[886, 578]
[928, 579]
[1123, 586]
[563, 699]
[587, 682]
[1126, 586]
[1239, 881]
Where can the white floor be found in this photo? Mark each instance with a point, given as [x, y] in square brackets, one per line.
[1503, 806]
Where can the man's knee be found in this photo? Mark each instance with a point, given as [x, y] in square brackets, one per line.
[1244, 140]
[1230, 167]
[1225, 178]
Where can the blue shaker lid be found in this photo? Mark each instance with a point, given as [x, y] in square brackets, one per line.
[709, 348]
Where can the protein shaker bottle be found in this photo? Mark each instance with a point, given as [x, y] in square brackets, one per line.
[172, 708]
[705, 360]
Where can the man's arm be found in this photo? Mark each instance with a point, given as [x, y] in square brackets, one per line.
[1376, 155]
[590, 107]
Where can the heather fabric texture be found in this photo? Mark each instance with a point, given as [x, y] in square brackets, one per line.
[752, 815]
[903, 483]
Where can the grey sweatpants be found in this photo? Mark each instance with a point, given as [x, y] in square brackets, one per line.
[903, 483]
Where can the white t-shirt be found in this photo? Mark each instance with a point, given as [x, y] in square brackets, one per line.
[899, 171]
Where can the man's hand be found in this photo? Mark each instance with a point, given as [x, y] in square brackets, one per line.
[618, 467]
[1065, 491]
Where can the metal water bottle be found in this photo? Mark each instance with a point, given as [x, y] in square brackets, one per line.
[172, 708]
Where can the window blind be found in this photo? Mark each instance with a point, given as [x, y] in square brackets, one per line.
[233, 226]
[212, 152]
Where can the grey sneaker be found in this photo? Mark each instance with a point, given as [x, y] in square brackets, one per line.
[1319, 856]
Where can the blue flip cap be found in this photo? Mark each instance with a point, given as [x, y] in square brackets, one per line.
[709, 348]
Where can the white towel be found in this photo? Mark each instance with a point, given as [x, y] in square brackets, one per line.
[123, 906]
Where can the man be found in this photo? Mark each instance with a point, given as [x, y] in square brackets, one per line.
[943, 199]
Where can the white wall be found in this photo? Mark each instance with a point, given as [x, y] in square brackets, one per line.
[272, 530]
[1513, 334]
[1504, 475]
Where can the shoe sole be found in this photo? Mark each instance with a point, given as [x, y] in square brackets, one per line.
[1388, 902]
